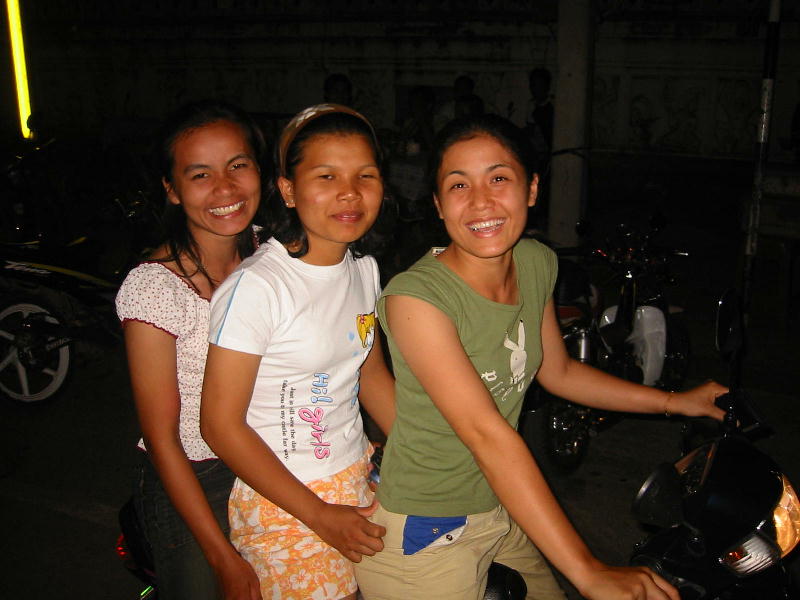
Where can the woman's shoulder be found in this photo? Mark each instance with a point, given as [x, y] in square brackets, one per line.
[157, 267]
[533, 247]
[153, 294]
[263, 272]
[529, 251]
[537, 264]
[423, 274]
[155, 274]
[267, 264]
[366, 263]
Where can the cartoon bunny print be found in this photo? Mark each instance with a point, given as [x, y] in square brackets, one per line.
[519, 357]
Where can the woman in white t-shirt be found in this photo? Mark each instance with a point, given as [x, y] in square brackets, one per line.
[209, 155]
[293, 352]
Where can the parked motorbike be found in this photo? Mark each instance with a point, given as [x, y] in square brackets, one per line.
[727, 515]
[58, 280]
[45, 309]
[641, 338]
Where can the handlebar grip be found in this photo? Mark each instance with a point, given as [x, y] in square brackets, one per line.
[741, 415]
[723, 401]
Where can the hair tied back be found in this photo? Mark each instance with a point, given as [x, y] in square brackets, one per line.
[303, 118]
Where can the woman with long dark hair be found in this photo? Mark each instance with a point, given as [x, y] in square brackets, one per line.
[209, 157]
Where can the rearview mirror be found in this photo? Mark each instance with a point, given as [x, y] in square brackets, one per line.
[730, 326]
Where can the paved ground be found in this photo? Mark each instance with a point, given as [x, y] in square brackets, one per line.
[65, 466]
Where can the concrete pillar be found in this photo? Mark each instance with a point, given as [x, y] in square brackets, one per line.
[571, 120]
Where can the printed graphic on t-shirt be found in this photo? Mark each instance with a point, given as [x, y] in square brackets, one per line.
[310, 429]
[365, 325]
[287, 409]
[519, 357]
[319, 391]
[502, 379]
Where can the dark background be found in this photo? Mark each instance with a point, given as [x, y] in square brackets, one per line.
[675, 99]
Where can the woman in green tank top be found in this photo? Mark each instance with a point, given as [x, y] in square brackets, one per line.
[469, 328]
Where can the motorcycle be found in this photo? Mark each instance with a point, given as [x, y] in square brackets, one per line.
[641, 338]
[133, 549]
[44, 310]
[58, 281]
[726, 515]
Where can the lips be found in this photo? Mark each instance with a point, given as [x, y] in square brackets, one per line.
[349, 216]
[224, 211]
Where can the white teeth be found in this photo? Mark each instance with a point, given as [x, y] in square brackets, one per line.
[486, 224]
[226, 210]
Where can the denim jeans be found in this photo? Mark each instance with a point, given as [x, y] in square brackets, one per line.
[182, 570]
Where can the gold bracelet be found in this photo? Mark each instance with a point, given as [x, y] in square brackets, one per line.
[666, 405]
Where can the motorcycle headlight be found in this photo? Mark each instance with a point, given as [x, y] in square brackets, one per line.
[786, 518]
[771, 540]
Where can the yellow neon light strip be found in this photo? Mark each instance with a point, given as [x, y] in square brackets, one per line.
[20, 70]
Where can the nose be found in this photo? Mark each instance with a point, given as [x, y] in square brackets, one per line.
[225, 185]
[481, 197]
[349, 191]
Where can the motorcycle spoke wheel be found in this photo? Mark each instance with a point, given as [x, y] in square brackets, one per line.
[34, 364]
[566, 434]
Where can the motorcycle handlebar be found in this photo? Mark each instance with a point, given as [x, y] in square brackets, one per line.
[741, 416]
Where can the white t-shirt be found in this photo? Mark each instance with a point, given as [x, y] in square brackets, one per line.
[313, 327]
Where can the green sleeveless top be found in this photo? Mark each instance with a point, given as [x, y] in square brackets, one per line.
[426, 469]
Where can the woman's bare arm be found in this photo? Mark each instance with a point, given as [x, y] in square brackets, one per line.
[581, 383]
[376, 387]
[153, 371]
[429, 343]
[227, 389]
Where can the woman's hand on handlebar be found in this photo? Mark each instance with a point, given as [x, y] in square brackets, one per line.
[634, 583]
[697, 402]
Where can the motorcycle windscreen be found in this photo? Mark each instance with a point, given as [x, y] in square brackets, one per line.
[649, 339]
[659, 501]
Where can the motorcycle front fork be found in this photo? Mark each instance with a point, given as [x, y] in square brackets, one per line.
[579, 344]
[582, 345]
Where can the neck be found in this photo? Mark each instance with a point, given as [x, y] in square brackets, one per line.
[322, 255]
[494, 278]
[219, 256]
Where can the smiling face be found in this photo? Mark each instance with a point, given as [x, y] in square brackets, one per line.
[483, 197]
[337, 190]
[216, 179]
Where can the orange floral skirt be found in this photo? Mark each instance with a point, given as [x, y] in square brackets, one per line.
[291, 561]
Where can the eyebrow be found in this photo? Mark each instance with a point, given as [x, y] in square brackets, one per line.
[488, 169]
[196, 166]
[326, 166]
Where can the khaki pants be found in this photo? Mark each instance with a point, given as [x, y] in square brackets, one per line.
[455, 566]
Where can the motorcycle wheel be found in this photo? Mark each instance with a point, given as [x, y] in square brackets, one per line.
[34, 361]
[676, 361]
[566, 433]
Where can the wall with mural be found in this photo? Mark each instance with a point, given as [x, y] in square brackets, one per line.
[676, 77]
[666, 90]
